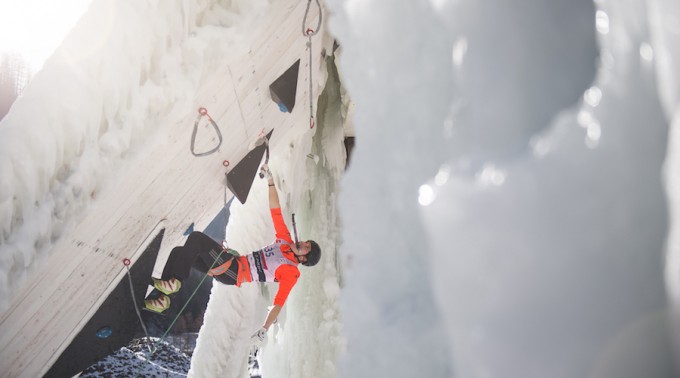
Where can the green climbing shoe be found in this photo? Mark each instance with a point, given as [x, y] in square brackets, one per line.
[168, 287]
[157, 305]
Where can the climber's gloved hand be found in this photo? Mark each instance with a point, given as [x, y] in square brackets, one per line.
[265, 172]
[258, 337]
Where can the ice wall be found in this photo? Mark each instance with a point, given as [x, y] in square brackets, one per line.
[396, 67]
[538, 131]
[125, 72]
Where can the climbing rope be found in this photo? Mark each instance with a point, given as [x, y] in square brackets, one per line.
[226, 181]
[126, 262]
[226, 186]
[154, 347]
[309, 33]
[203, 112]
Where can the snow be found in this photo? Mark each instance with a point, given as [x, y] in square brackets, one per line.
[138, 361]
[510, 209]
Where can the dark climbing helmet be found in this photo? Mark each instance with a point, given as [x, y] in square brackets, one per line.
[314, 254]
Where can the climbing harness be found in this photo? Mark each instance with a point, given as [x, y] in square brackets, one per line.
[203, 112]
[309, 33]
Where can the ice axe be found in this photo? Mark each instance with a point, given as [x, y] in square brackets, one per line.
[314, 157]
[260, 141]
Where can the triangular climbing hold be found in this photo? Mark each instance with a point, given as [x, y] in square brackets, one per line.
[284, 88]
[189, 230]
[240, 178]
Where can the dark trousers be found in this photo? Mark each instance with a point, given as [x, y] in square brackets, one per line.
[202, 253]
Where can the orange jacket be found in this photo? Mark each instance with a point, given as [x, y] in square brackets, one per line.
[273, 263]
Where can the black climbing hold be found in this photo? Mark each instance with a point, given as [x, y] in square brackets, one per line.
[189, 230]
[284, 89]
[240, 178]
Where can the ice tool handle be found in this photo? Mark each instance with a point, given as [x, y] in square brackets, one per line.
[265, 141]
[297, 241]
[201, 113]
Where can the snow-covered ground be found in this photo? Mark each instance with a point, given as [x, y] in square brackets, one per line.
[510, 209]
[143, 358]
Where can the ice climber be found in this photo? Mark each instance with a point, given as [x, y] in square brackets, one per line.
[276, 262]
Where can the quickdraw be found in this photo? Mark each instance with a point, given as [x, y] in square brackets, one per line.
[203, 112]
[309, 33]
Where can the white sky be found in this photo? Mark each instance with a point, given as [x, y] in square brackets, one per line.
[539, 247]
[34, 28]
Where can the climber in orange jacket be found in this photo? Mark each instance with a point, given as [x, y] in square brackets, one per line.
[276, 262]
